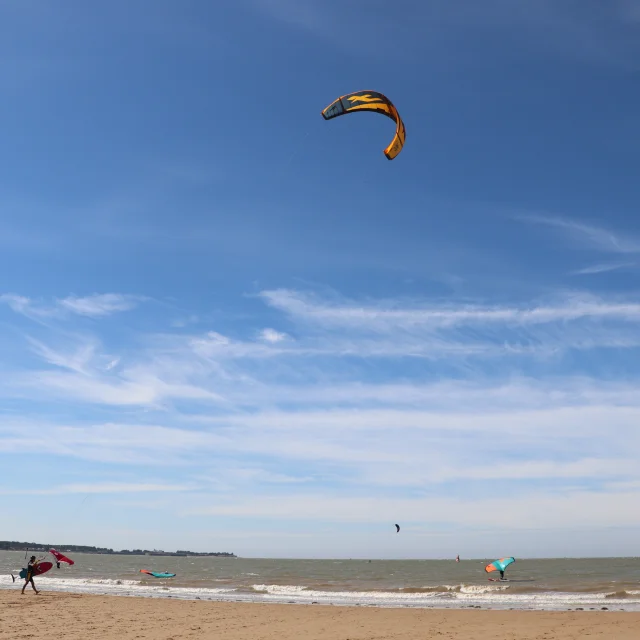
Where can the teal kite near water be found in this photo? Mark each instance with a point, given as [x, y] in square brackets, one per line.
[499, 565]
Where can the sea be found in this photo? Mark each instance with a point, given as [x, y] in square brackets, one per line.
[538, 584]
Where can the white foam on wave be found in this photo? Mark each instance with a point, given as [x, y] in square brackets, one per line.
[304, 594]
[454, 596]
[480, 589]
[105, 586]
[494, 596]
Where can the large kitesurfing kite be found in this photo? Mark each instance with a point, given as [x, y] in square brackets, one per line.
[499, 565]
[60, 558]
[370, 101]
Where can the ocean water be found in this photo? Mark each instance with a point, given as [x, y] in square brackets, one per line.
[593, 583]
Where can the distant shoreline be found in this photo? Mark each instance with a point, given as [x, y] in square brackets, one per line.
[6, 545]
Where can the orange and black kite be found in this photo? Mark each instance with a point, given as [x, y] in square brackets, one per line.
[370, 101]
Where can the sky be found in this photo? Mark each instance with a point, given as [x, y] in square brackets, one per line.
[229, 325]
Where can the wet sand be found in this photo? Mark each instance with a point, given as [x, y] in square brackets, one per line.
[75, 617]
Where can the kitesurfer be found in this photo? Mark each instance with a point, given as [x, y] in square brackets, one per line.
[31, 567]
[500, 566]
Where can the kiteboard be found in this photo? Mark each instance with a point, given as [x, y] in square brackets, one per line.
[41, 568]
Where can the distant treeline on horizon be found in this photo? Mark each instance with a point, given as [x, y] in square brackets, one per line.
[12, 545]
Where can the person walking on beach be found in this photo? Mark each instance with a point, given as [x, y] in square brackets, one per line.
[33, 563]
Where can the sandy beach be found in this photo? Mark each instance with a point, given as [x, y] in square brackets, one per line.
[71, 616]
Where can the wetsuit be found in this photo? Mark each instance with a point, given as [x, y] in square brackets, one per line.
[31, 567]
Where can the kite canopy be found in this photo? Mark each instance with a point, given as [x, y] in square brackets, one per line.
[397, 526]
[158, 574]
[59, 557]
[499, 565]
[370, 101]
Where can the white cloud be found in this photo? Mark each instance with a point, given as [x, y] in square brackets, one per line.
[602, 268]
[382, 315]
[569, 509]
[130, 444]
[77, 361]
[95, 306]
[26, 307]
[112, 364]
[460, 330]
[19, 304]
[103, 488]
[88, 375]
[385, 447]
[457, 395]
[99, 304]
[272, 336]
[588, 235]
[217, 413]
[129, 388]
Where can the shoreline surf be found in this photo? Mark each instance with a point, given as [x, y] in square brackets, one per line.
[547, 585]
[456, 597]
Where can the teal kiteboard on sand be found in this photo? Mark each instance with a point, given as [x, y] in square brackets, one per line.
[158, 574]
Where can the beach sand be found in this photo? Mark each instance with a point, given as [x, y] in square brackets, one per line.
[70, 617]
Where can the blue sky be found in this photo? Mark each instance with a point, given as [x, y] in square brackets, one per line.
[227, 324]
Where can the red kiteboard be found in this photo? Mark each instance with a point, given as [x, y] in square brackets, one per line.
[41, 568]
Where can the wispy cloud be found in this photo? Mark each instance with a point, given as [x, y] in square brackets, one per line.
[397, 445]
[574, 508]
[77, 361]
[603, 268]
[272, 336]
[565, 30]
[26, 307]
[387, 314]
[83, 372]
[130, 388]
[586, 235]
[95, 306]
[99, 304]
[260, 418]
[216, 369]
[103, 488]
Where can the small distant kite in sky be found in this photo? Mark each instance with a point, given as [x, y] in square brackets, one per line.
[397, 528]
